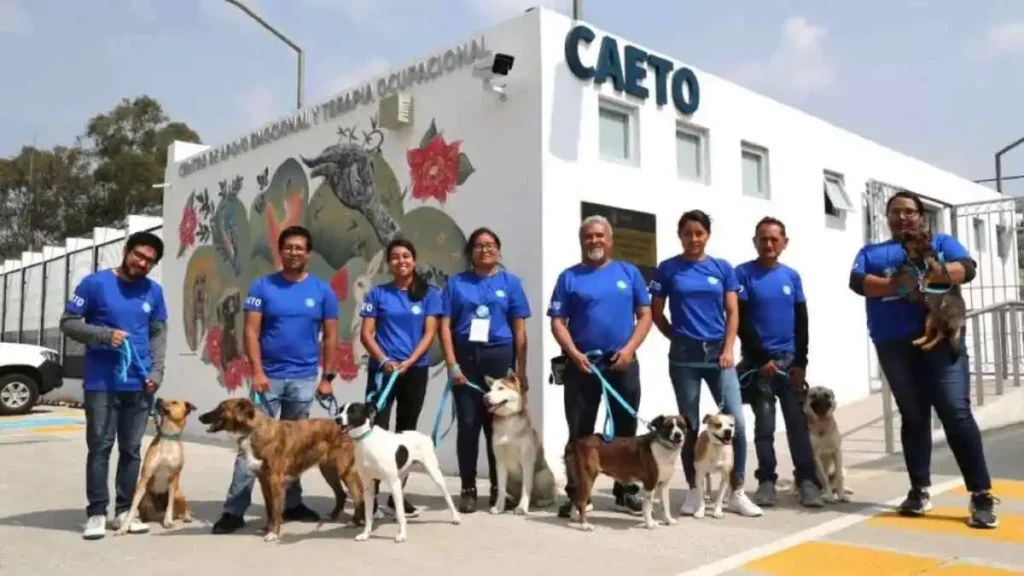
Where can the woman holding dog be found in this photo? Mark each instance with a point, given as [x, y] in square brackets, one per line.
[483, 333]
[921, 379]
[702, 297]
[398, 327]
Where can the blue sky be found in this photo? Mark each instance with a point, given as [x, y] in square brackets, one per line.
[937, 79]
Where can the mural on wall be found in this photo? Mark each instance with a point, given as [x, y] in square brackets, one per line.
[353, 204]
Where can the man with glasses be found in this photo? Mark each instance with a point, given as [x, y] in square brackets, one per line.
[285, 313]
[110, 311]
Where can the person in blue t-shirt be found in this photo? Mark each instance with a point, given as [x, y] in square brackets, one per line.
[398, 327]
[921, 380]
[108, 308]
[600, 306]
[285, 313]
[702, 299]
[773, 339]
[483, 333]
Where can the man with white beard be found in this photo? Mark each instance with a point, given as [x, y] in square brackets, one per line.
[600, 314]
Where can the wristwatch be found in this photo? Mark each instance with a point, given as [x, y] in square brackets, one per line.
[329, 376]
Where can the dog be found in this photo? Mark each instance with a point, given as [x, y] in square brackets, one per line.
[386, 456]
[714, 454]
[158, 496]
[279, 451]
[227, 313]
[651, 459]
[819, 405]
[518, 451]
[946, 309]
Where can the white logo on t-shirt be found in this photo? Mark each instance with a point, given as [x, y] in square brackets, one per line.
[146, 307]
[712, 280]
[621, 284]
[787, 290]
[367, 307]
[77, 300]
[499, 293]
[416, 309]
[740, 291]
[254, 301]
[310, 302]
[556, 306]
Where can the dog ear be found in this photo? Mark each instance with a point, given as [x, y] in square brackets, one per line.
[706, 418]
[687, 425]
[511, 373]
[190, 408]
[658, 422]
[488, 381]
[249, 411]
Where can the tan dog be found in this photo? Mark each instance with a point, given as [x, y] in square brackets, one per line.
[826, 443]
[713, 454]
[651, 459]
[279, 451]
[158, 495]
[518, 451]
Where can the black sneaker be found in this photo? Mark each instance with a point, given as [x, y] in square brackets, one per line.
[567, 509]
[630, 502]
[410, 510]
[228, 523]
[300, 513]
[916, 503]
[467, 501]
[983, 510]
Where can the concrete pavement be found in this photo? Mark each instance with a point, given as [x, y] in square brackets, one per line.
[42, 460]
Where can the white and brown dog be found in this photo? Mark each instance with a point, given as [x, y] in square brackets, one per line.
[158, 495]
[713, 455]
[519, 462]
[387, 456]
[651, 459]
[819, 406]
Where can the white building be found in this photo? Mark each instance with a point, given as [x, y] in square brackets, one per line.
[528, 154]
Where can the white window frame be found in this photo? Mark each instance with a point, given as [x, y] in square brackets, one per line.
[765, 176]
[703, 152]
[632, 133]
[837, 196]
[980, 234]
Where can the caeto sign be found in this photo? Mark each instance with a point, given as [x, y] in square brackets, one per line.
[628, 71]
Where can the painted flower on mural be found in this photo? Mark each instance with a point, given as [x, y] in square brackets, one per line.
[215, 346]
[236, 374]
[188, 226]
[345, 366]
[339, 284]
[437, 167]
[194, 226]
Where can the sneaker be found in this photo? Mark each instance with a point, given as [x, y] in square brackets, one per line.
[629, 502]
[467, 500]
[95, 527]
[136, 527]
[983, 510]
[568, 509]
[810, 495]
[741, 504]
[917, 502]
[228, 523]
[410, 510]
[691, 504]
[766, 495]
[300, 513]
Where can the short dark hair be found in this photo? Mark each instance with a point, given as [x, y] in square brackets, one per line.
[770, 221]
[698, 216]
[913, 197]
[145, 239]
[293, 231]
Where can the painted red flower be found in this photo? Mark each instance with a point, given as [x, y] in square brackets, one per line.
[189, 225]
[434, 169]
[345, 366]
[215, 345]
[235, 375]
[339, 284]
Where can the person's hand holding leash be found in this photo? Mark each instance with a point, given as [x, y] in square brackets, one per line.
[117, 337]
[403, 366]
[581, 361]
[622, 359]
[458, 378]
[325, 389]
[151, 387]
[726, 360]
[260, 383]
[769, 369]
[390, 366]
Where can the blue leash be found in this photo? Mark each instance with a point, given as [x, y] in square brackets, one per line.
[449, 390]
[129, 356]
[381, 392]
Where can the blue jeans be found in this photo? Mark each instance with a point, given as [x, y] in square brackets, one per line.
[724, 385]
[763, 396]
[109, 416]
[293, 399]
[920, 380]
[476, 361]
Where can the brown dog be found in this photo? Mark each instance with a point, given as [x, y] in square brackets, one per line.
[946, 308]
[160, 481]
[279, 451]
[651, 459]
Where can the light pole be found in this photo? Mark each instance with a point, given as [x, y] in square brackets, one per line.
[577, 9]
[999, 163]
[302, 55]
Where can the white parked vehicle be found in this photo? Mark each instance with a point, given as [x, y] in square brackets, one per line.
[26, 373]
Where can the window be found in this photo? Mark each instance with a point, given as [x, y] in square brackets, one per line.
[636, 235]
[692, 153]
[837, 202]
[617, 133]
[755, 171]
[1003, 240]
[980, 237]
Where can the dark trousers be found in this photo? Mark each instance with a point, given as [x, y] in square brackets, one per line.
[109, 416]
[408, 393]
[582, 400]
[921, 380]
[477, 361]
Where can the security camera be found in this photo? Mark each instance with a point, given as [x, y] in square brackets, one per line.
[498, 65]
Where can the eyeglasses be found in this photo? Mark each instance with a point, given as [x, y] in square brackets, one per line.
[901, 212]
[487, 246]
[144, 257]
[294, 249]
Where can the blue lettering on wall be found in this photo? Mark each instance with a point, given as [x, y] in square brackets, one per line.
[628, 71]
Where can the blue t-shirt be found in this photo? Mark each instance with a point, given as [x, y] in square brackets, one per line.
[400, 321]
[599, 304]
[104, 299]
[772, 295]
[892, 317]
[696, 295]
[502, 294]
[293, 313]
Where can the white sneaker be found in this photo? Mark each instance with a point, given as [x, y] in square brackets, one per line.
[136, 527]
[95, 527]
[691, 504]
[741, 504]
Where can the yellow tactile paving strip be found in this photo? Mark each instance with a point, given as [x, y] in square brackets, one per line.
[835, 559]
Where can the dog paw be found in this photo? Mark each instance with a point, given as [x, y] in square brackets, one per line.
[169, 525]
[187, 518]
[456, 520]
[828, 497]
[272, 537]
[650, 524]
[520, 511]
[362, 537]
[671, 521]
[400, 538]
[842, 497]
[121, 531]
[587, 527]
[496, 510]
[698, 514]
[717, 514]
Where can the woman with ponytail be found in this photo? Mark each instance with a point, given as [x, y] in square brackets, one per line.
[399, 323]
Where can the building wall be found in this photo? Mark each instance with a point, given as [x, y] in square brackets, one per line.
[799, 148]
[225, 241]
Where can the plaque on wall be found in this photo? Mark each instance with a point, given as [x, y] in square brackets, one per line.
[634, 238]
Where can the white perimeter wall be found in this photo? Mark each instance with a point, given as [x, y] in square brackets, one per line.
[800, 148]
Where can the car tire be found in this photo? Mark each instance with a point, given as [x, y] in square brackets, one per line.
[13, 389]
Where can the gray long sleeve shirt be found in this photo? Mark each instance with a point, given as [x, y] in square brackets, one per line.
[75, 327]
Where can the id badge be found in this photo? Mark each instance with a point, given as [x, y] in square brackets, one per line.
[479, 329]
